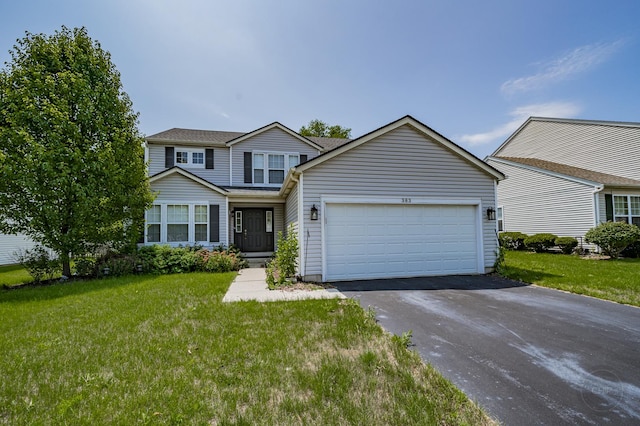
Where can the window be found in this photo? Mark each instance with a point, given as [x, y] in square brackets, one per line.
[177, 223]
[239, 221]
[270, 168]
[626, 208]
[153, 224]
[190, 157]
[499, 217]
[201, 223]
[269, 221]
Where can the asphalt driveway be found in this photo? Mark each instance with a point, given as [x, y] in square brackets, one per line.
[527, 354]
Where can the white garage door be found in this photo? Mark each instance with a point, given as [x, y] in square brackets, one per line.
[389, 241]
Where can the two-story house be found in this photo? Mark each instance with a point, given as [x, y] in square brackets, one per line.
[400, 201]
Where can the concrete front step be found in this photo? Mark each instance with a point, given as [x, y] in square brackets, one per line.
[257, 262]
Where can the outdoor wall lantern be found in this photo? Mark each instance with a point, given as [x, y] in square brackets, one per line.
[314, 212]
[491, 213]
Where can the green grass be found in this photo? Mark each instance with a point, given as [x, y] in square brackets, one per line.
[166, 350]
[14, 274]
[615, 280]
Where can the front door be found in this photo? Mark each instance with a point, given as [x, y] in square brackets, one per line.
[254, 229]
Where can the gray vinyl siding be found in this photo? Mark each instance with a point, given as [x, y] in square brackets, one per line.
[611, 149]
[291, 207]
[219, 175]
[535, 202]
[10, 244]
[179, 189]
[275, 140]
[401, 163]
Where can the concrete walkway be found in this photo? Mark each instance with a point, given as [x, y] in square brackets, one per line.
[250, 284]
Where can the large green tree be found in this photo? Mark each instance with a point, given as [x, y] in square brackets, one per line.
[72, 175]
[322, 129]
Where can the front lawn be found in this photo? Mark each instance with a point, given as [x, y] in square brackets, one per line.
[166, 350]
[615, 280]
[11, 275]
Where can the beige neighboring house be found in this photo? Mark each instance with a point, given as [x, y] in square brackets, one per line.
[400, 201]
[565, 176]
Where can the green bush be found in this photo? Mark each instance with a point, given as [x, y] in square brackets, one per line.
[632, 250]
[220, 260]
[540, 242]
[512, 240]
[163, 259]
[283, 266]
[613, 237]
[85, 266]
[38, 263]
[118, 264]
[566, 244]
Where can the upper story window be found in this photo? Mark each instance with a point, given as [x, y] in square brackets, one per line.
[189, 157]
[270, 168]
[626, 208]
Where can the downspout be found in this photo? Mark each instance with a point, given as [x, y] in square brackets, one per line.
[596, 204]
[301, 238]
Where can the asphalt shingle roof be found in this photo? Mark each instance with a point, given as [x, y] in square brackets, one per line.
[220, 137]
[603, 178]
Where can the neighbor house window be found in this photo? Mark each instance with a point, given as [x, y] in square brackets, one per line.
[154, 217]
[177, 223]
[270, 168]
[190, 157]
[201, 220]
[500, 219]
[626, 208]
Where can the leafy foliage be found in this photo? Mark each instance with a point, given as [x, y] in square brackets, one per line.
[283, 266]
[566, 244]
[613, 237]
[540, 242]
[37, 261]
[512, 240]
[162, 259]
[72, 175]
[322, 129]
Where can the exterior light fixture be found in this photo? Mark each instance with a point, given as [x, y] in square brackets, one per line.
[491, 213]
[314, 212]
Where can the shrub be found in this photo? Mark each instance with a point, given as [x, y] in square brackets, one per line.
[613, 237]
[118, 264]
[566, 244]
[220, 260]
[540, 242]
[85, 266]
[512, 240]
[38, 263]
[283, 265]
[162, 259]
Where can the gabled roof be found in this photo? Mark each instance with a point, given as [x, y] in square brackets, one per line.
[177, 170]
[564, 121]
[420, 127]
[576, 172]
[274, 125]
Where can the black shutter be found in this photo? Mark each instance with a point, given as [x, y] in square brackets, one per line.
[608, 204]
[303, 158]
[214, 223]
[208, 162]
[168, 156]
[248, 166]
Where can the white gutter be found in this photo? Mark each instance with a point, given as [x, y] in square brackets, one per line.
[230, 166]
[596, 204]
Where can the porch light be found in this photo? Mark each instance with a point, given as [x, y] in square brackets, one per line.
[314, 212]
[491, 213]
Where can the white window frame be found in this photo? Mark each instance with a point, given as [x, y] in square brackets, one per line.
[500, 218]
[157, 223]
[629, 216]
[265, 166]
[238, 221]
[191, 223]
[190, 163]
[268, 226]
[180, 223]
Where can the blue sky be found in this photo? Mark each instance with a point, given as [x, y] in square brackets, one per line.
[471, 70]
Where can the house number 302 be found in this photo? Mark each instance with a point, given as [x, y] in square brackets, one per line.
[406, 200]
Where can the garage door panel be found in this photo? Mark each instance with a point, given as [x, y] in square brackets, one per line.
[384, 241]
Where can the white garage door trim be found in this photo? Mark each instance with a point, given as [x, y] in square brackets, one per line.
[325, 200]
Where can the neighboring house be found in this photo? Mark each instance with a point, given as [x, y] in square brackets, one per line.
[10, 245]
[566, 176]
[397, 202]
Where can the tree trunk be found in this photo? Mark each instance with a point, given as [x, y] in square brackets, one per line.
[66, 267]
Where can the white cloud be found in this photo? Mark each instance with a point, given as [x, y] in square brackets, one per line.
[519, 115]
[579, 60]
